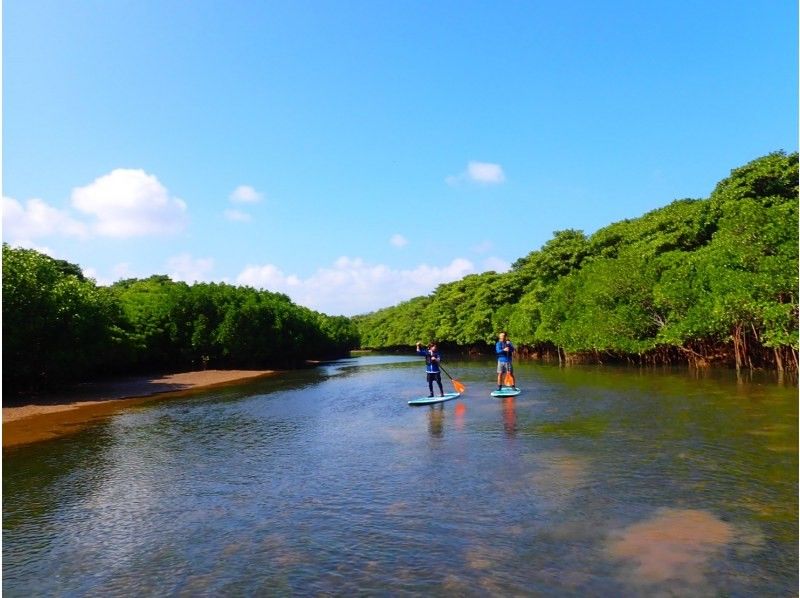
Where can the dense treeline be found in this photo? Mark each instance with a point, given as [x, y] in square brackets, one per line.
[701, 281]
[60, 327]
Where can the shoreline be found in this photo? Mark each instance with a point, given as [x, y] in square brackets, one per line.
[57, 414]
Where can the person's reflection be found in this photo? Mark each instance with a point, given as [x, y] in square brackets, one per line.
[459, 410]
[509, 417]
[436, 421]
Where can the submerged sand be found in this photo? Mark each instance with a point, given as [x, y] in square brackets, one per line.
[52, 415]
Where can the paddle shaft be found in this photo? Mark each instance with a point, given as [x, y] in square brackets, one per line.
[445, 371]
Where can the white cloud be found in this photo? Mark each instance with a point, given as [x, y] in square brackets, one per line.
[267, 277]
[119, 271]
[238, 216]
[242, 194]
[245, 194]
[485, 173]
[123, 203]
[188, 269]
[40, 248]
[128, 203]
[93, 273]
[398, 240]
[496, 264]
[122, 271]
[23, 223]
[354, 286]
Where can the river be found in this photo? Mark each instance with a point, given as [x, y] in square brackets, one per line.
[594, 481]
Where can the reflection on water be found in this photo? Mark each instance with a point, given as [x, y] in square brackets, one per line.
[460, 413]
[509, 416]
[436, 420]
[594, 481]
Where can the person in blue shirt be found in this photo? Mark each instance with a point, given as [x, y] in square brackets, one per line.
[432, 359]
[505, 351]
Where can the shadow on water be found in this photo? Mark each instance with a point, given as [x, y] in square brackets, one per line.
[592, 481]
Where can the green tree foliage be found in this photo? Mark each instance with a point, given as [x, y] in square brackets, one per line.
[769, 180]
[712, 279]
[538, 272]
[465, 312]
[558, 257]
[606, 306]
[59, 327]
[684, 225]
[222, 325]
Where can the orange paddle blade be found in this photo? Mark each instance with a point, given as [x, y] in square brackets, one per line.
[458, 386]
[509, 379]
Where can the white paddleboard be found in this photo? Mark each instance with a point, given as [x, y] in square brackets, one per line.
[506, 391]
[433, 400]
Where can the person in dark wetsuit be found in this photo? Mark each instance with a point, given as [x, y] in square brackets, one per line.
[432, 359]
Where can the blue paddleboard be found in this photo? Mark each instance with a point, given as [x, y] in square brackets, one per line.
[433, 400]
[506, 391]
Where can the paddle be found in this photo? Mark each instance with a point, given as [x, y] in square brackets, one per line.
[460, 388]
[508, 380]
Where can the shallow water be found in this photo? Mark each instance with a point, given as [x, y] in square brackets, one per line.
[601, 481]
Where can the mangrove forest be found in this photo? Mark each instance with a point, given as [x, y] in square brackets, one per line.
[61, 327]
[709, 281]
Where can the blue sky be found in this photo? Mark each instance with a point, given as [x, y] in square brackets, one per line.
[354, 154]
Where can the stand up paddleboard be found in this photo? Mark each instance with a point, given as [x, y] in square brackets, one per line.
[433, 400]
[506, 391]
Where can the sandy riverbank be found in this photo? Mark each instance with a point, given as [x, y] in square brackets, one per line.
[52, 415]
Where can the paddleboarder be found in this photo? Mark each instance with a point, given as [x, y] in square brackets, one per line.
[505, 351]
[432, 359]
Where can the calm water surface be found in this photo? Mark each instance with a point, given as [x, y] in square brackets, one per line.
[594, 481]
